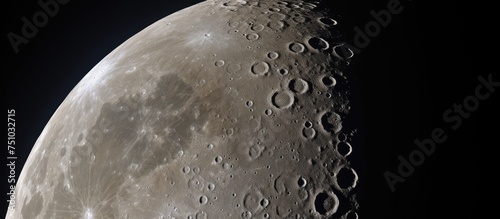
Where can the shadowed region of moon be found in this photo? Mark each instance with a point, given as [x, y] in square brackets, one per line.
[226, 109]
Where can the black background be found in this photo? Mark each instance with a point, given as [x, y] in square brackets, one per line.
[427, 59]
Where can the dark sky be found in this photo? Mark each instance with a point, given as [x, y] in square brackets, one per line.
[425, 60]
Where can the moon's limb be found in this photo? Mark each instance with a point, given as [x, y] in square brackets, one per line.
[221, 110]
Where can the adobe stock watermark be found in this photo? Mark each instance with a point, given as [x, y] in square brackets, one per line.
[31, 26]
[453, 118]
[363, 37]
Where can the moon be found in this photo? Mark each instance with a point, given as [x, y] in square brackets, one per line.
[225, 109]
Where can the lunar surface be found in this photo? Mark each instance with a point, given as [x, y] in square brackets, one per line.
[226, 109]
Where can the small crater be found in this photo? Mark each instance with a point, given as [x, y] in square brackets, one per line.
[308, 133]
[201, 215]
[329, 22]
[257, 27]
[268, 112]
[259, 68]
[303, 195]
[264, 202]
[283, 71]
[298, 85]
[211, 186]
[328, 81]
[246, 215]
[219, 63]
[342, 52]
[296, 47]
[351, 215]
[331, 122]
[252, 37]
[196, 183]
[346, 178]
[277, 16]
[196, 170]
[318, 43]
[308, 124]
[232, 68]
[255, 151]
[282, 99]
[302, 182]
[273, 55]
[276, 25]
[203, 200]
[300, 19]
[344, 148]
[202, 82]
[233, 24]
[233, 31]
[326, 203]
[249, 103]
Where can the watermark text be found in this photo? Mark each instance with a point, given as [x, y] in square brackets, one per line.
[453, 118]
[11, 158]
[31, 26]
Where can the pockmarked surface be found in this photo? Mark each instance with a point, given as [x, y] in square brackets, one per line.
[226, 109]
